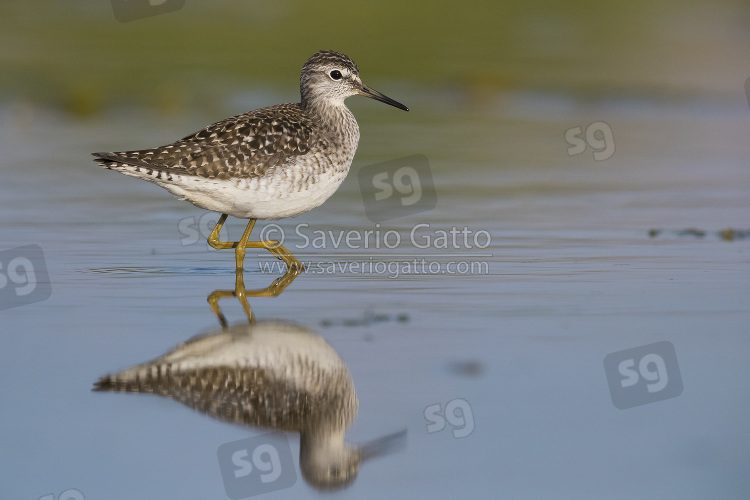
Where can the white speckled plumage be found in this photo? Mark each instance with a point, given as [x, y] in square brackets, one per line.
[270, 163]
[270, 374]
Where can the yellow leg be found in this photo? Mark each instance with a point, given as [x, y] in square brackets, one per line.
[239, 252]
[213, 238]
[279, 284]
[273, 246]
[278, 250]
[239, 291]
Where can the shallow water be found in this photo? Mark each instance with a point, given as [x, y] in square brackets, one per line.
[570, 276]
[498, 295]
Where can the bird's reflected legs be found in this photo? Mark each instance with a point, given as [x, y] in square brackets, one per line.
[242, 294]
[239, 292]
[279, 284]
[273, 246]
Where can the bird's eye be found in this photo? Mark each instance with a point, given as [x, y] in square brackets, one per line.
[336, 74]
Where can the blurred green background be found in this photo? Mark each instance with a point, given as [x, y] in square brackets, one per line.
[75, 56]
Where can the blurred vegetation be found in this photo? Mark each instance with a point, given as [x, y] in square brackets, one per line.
[74, 55]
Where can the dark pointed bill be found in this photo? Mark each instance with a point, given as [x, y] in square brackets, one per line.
[384, 446]
[374, 94]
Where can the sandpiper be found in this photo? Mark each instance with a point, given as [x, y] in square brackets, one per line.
[271, 163]
[272, 374]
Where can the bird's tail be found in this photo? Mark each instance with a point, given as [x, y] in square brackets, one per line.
[134, 167]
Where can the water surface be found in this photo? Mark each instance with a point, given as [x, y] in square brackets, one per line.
[570, 275]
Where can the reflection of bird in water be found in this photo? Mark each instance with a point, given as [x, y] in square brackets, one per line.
[269, 374]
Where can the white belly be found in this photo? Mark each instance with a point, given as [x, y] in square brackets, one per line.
[275, 196]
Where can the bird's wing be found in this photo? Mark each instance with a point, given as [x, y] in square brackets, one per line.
[243, 396]
[243, 146]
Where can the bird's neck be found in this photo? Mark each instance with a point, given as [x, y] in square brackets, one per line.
[335, 120]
